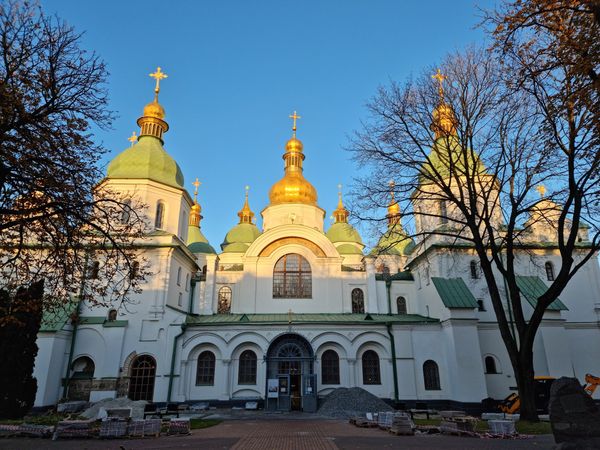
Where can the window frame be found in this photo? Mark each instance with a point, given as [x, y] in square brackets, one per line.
[159, 217]
[225, 293]
[290, 283]
[431, 376]
[474, 270]
[493, 365]
[356, 307]
[549, 267]
[207, 366]
[405, 307]
[330, 367]
[247, 366]
[374, 366]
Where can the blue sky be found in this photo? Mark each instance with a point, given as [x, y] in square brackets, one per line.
[238, 69]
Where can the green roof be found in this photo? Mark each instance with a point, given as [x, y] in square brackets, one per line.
[454, 292]
[244, 234]
[400, 276]
[447, 152]
[349, 249]
[196, 241]
[229, 319]
[533, 288]
[55, 320]
[394, 242]
[147, 159]
[101, 320]
[343, 232]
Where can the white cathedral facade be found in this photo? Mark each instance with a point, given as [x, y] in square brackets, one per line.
[289, 312]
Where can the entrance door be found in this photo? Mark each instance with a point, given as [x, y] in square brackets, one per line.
[141, 380]
[296, 392]
[283, 399]
[309, 393]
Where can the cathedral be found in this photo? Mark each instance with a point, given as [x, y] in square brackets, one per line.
[284, 313]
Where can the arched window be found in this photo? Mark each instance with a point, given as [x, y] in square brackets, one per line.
[126, 212]
[330, 367]
[205, 374]
[292, 277]
[112, 315]
[187, 281]
[247, 368]
[474, 270]
[549, 271]
[370, 368]
[179, 277]
[180, 299]
[358, 301]
[443, 212]
[224, 305]
[83, 367]
[159, 220]
[401, 303]
[490, 365]
[141, 378]
[431, 376]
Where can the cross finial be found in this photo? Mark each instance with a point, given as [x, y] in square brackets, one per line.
[440, 79]
[340, 191]
[541, 189]
[247, 188]
[294, 117]
[392, 185]
[158, 75]
[196, 185]
[133, 138]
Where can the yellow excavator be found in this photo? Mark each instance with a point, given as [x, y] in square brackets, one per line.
[512, 403]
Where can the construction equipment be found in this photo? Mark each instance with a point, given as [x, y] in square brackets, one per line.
[512, 403]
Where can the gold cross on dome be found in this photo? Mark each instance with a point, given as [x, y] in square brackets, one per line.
[158, 75]
[392, 186]
[541, 189]
[196, 185]
[133, 138]
[247, 188]
[440, 79]
[294, 117]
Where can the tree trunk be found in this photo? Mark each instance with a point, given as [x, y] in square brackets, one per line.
[526, 384]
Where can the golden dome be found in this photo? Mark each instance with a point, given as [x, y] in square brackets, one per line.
[245, 214]
[444, 121]
[196, 208]
[393, 209]
[293, 187]
[154, 109]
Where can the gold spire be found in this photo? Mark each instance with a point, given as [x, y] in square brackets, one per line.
[444, 119]
[341, 213]
[133, 138]
[393, 215]
[152, 122]
[246, 215]
[541, 190]
[195, 210]
[293, 187]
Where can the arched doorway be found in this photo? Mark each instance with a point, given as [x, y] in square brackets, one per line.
[141, 378]
[291, 383]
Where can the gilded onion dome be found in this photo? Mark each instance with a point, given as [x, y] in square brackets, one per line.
[146, 158]
[239, 238]
[293, 187]
[343, 235]
[196, 241]
[394, 241]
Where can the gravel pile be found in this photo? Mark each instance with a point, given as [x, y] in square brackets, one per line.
[137, 407]
[344, 403]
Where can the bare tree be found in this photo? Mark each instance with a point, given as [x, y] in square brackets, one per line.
[55, 224]
[467, 156]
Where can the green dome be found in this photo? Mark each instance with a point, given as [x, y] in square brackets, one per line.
[242, 233]
[394, 243]
[196, 241]
[348, 249]
[343, 232]
[446, 150]
[147, 159]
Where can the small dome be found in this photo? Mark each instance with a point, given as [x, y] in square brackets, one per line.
[393, 242]
[147, 159]
[293, 188]
[343, 232]
[242, 233]
[154, 109]
[196, 241]
[348, 249]
[294, 145]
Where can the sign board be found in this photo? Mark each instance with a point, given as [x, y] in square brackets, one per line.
[272, 388]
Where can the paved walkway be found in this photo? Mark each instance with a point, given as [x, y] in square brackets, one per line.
[287, 435]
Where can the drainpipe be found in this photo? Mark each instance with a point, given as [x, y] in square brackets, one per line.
[388, 325]
[172, 373]
[75, 325]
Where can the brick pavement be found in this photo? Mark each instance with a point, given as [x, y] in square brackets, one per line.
[282, 434]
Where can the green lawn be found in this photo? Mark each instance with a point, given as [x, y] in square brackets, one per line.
[197, 424]
[523, 427]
